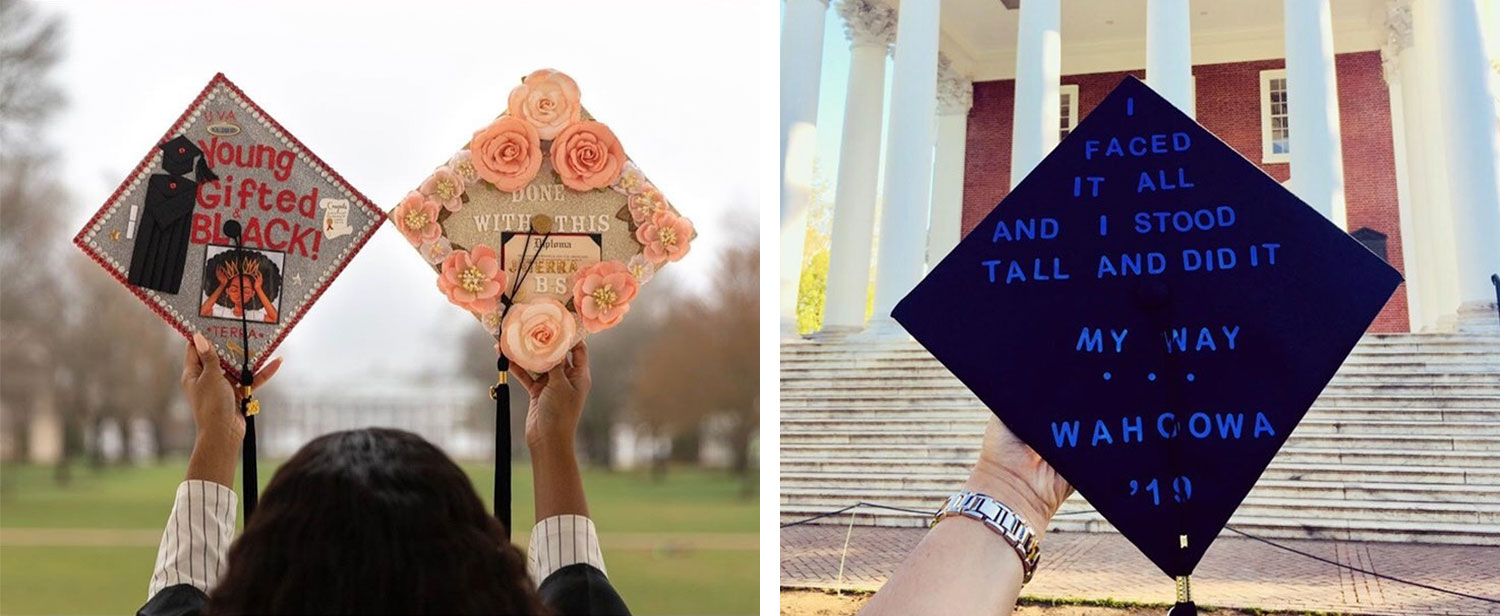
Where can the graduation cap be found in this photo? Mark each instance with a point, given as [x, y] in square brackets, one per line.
[543, 230]
[1152, 314]
[230, 227]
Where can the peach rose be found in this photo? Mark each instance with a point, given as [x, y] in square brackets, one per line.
[473, 279]
[586, 155]
[445, 187]
[547, 99]
[602, 294]
[417, 218]
[507, 153]
[664, 237]
[436, 250]
[538, 334]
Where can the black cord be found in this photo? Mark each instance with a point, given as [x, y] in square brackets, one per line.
[1230, 528]
[250, 485]
[501, 393]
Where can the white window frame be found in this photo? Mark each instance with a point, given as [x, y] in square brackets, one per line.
[1068, 94]
[1267, 155]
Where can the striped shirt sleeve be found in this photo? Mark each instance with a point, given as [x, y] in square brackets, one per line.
[197, 537]
[563, 540]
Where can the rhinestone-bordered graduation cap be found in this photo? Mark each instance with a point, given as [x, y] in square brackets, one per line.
[540, 226]
[162, 233]
[1153, 314]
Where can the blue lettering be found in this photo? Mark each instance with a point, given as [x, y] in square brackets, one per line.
[1091, 340]
[1126, 429]
[1231, 334]
[991, 265]
[1193, 425]
[1101, 433]
[1231, 422]
[1068, 431]
[1161, 423]
[1261, 423]
[1119, 338]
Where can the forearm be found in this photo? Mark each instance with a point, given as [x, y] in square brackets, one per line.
[213, 459]
[557, 482]
[197, 537]
[962, 566]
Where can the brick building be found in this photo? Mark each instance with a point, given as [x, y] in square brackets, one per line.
[1378, 113]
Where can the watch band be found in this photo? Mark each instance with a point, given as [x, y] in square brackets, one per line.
[1000, 519]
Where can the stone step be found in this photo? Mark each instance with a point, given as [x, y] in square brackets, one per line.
[971, 438]
[965, 454]
[1331, 511]
[876, 400]
[799, 378]
[1267, 527]
[855, 469]
[1415, 494]
[977, 413]
[974, 425]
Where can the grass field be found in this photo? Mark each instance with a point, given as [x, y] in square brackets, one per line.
[686, 545]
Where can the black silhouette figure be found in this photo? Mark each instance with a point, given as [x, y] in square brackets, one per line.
[161, 236]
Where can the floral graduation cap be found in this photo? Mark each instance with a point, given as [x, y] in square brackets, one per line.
[540, 226]
[1153, 314]
[229, 226]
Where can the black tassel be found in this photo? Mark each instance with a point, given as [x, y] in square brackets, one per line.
[501, 394]
[1183, 609]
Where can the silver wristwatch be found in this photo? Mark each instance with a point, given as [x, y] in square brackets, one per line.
[1000, 519]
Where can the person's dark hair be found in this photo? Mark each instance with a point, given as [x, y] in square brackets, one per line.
[270, 276]
[373, 521]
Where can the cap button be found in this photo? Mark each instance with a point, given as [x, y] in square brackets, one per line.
[181, 150]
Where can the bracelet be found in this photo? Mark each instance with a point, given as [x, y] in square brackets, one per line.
[999, 518]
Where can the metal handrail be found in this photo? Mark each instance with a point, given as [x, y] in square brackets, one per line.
[1495, 280]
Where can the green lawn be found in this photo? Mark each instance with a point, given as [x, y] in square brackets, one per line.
[655, 566]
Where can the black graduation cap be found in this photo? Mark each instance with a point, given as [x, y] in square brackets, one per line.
[179, 155]
[1154, 315]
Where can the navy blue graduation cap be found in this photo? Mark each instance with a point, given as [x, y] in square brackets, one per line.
[1153, 314]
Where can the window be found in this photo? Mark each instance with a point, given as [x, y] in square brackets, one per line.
[1069, 111]
[1275, 135]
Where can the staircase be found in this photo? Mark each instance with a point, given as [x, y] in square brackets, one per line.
[1403, 445]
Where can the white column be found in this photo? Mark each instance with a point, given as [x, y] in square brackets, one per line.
[1313, 109]
[1467, 109]
[1169, 52]
[801, 69]
[908, 161]
[1392, 55]
[955, 97]
[1441, 307]
[1035, 123]
[871, 26]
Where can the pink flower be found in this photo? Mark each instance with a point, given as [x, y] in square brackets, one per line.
[473, 280]
[507, 153]
[548, 99]
[664, 237]
[445, 187]
[435, 251]
[645, 204]
[462, 164]
[586, 155]
[641, 268]
[417, 218]
[602, 294]
[538, 334]
[631, 179]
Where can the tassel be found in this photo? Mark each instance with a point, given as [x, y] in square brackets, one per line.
[1184, 606]
[501, 393]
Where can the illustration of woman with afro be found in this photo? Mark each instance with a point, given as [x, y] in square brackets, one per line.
[245, 284]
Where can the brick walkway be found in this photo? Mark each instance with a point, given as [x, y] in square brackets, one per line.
[1236, 572]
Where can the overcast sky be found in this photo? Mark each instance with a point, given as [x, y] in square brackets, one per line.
[387, 92]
